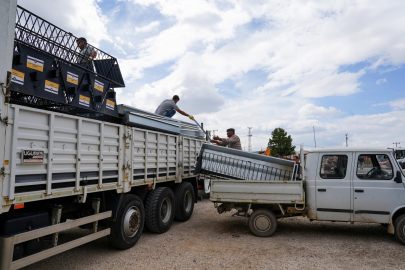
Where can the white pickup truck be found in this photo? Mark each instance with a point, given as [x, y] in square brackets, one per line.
[338, 184]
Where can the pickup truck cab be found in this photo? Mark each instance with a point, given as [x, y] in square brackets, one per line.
[338, 184]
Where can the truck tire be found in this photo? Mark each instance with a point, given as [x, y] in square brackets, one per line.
[127, 228]
[184, 201]
[262, 223]
[400, 228]
[159, 210]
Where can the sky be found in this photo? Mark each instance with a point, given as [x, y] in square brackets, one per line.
[336, 67]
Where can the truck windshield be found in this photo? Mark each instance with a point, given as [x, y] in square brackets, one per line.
[374, 167]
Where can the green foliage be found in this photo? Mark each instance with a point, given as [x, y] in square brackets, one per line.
[280, 143]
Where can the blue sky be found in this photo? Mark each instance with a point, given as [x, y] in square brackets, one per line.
[337, 66]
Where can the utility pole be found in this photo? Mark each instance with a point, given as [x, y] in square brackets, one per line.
[250, 140]
[314, 136]
[347, 139]
[213, 132]
[396, 144]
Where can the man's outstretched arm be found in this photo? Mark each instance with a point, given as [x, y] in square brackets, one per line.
[185, 114]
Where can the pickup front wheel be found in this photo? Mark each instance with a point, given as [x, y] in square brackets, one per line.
[400, 228]
[262, 223]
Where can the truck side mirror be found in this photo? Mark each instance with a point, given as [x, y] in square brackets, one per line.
[398, 178]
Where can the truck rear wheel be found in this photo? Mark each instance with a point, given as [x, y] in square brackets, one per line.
[262, 223]
[184, 201]
[400, 228]
[128, 227]
[159, 210]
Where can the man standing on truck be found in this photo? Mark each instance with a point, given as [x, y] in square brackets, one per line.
[87, 54]
[232, 142]
[168, 108]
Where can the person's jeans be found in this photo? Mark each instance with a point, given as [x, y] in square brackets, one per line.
[170, 113]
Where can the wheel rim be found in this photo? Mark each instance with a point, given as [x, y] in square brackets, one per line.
[132, 221]
[188, 201]
[262, 223]
[166, 210]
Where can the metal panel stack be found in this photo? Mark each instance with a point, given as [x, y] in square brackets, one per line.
[227, 163]
[139, 118]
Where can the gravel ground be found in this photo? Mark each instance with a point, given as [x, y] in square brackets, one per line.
[212, 241]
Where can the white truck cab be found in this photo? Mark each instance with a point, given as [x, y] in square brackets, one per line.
[353, 184]
[337, 184]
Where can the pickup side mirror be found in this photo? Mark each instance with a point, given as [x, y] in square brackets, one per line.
[398, 178]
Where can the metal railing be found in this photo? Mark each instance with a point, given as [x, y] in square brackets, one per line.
[40, 34]
[223, 166]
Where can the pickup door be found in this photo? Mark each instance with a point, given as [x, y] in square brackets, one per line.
[375, 193]
[333, 186]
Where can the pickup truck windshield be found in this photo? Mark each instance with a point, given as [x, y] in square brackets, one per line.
[374, 167]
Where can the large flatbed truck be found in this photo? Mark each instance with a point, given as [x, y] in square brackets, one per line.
[336, 184]
[70, 157]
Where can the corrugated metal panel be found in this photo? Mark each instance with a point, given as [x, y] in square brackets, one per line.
[80, 152]
[75, 150]
[139, 118]
[235, 164]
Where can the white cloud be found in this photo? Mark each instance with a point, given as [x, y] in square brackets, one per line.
[304, 50]
[310, 110]
[147, 28]
[380, 81]
[80, 17]
[398, 104]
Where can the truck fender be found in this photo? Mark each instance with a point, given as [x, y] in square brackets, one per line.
[397, 211]
[113, 203]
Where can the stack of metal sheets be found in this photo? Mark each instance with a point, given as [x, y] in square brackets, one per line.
[139, 118]
[227, 163]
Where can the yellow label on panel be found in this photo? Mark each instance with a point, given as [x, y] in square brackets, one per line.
[51, 87]
[72, 78]
[6, 162]
[99, 85]
[84, 101]
[110, 104]
[35, 63]
[17, 77]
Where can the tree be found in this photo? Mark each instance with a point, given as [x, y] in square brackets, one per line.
[280, 143]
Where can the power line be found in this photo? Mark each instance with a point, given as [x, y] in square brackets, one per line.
[396, 144]
[346, 140]
[314, 136]
[250, 140]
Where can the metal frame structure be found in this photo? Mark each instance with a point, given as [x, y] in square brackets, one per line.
[7, 243]
[227, 163]
[40, 34]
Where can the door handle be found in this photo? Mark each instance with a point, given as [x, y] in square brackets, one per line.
[359, 190]
[321, 189]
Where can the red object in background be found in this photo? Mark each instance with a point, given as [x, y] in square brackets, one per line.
[18, 206]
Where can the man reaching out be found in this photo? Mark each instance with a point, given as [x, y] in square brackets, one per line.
[168, 108]
[232, 142]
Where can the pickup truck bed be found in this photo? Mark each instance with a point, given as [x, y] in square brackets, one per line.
[260, 192]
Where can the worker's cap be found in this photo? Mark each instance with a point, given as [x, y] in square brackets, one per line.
[82, 39]
[176, 97]
[231, 129]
